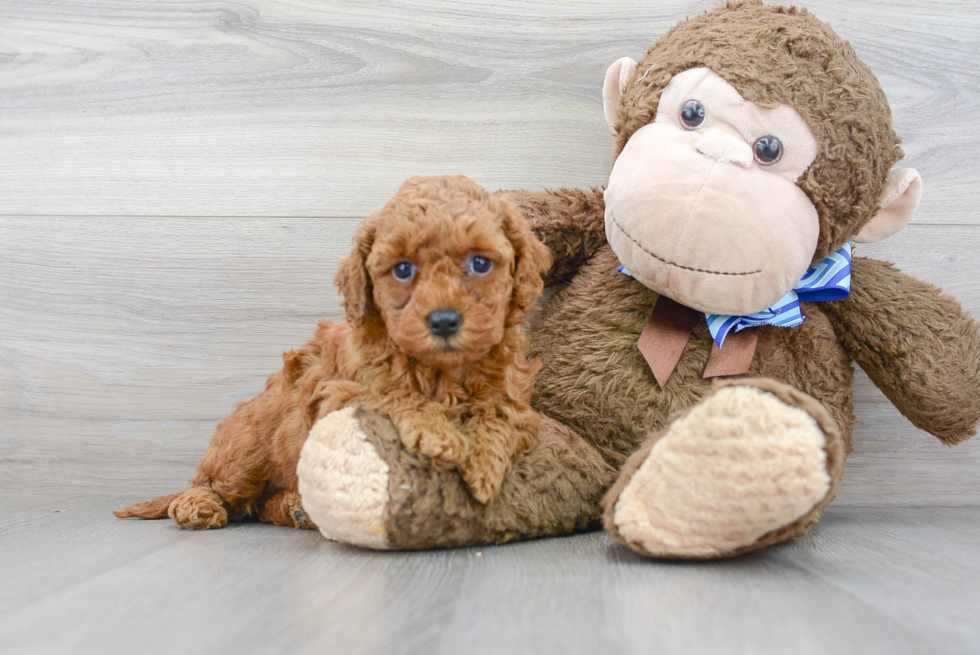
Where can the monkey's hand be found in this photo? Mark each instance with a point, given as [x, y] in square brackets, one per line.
[570, 222]
[917, 345]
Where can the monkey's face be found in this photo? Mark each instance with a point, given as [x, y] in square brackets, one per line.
[702, 204]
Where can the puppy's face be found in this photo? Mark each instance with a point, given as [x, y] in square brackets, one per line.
[446, 270]
[442, 273]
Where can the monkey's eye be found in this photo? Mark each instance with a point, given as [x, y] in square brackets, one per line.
[692, 114]
[404, 271]
[768, 150]
[480, 266]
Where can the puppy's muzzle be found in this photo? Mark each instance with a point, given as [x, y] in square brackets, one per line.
[444, 322]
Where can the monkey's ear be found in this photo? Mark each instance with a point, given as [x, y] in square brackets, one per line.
[899, 200]
[617, 77]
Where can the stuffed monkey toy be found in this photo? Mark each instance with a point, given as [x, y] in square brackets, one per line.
[697, 358]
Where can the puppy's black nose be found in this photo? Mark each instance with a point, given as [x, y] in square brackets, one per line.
[444, 322]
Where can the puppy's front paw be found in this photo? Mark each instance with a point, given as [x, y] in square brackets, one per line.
[444, 444]
[484, 475]
[433, 437]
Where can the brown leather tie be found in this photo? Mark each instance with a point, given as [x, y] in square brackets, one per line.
[667, 332]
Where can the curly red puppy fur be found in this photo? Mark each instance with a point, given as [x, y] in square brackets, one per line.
[435, 295]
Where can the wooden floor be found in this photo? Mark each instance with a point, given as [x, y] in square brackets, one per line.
[178, 181]
[869, 580]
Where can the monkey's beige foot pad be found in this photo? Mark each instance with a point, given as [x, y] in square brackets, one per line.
[343, 481]
[739, 465]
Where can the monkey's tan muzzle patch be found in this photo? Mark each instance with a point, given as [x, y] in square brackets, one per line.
[716, 236]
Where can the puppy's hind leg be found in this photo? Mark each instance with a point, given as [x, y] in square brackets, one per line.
[150, 509]
[230, 480]
[231, 476]
[198, 508]
[285, 509]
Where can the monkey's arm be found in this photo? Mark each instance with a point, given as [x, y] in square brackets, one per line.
[571, 222]
[916, 344]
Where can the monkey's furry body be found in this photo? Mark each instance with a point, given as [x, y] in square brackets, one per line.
[752, 143]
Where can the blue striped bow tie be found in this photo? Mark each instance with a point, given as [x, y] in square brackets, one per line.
[829, 279]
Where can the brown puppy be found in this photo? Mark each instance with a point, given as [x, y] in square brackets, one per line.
[435, 296]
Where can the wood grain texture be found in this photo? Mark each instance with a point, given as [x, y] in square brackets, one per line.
[869, 580]
[124, 341]
[301, 108]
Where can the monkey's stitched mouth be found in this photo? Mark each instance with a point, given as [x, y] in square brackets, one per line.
[670, 263]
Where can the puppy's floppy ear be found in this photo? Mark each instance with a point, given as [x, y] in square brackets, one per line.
[532, 259]
[352, 277]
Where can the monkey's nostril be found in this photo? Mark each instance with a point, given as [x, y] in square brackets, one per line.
[444, 322]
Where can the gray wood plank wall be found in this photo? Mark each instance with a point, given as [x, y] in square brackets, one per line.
[179, 180]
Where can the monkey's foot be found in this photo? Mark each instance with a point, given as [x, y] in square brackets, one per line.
[343, 481]
[751, 465]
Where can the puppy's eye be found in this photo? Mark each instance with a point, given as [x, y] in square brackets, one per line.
[692, 114]
[404, 271]
[480, 266]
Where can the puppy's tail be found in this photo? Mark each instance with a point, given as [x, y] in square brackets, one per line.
[151, 509]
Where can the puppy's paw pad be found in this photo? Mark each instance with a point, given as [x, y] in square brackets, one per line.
[739, 465]
[343, 481]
